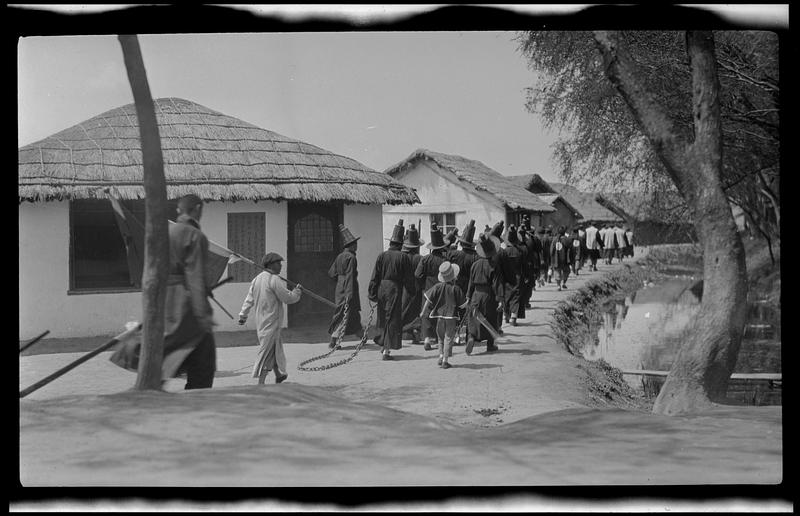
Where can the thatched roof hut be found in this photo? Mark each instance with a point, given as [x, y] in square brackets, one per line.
[205, 152]
[479, 176]
[583, 202]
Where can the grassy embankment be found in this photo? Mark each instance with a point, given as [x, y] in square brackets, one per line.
[575, 318]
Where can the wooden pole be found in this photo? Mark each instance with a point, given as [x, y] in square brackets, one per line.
[33, 341]
[156, 248]
[292, 283]
[72, 365]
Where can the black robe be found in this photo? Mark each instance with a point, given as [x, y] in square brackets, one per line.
[481, 294]
[427, 275]
[392, 273]
[510, 272]
[345, 271]
[412, 302]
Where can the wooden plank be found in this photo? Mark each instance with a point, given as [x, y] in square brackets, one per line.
[734, 376]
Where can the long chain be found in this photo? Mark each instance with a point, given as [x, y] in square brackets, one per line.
[340, 331]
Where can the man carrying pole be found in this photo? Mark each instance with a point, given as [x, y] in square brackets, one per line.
[268, 293]
[188, 341]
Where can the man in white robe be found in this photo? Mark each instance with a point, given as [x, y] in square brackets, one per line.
[268, 293]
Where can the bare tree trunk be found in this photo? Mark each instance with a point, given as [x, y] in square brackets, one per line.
[156, 248]
[706, 360]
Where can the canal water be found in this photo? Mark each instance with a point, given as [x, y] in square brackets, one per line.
[644, 331]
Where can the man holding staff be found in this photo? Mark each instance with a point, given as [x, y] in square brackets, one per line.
[268, 293]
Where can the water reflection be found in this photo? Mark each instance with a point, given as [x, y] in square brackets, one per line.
[644, 331]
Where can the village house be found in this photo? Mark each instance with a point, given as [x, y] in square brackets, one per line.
[263, 192]
[567, 213]
[454, 190]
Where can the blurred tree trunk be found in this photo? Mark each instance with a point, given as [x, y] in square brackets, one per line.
[156, 248]
[706, 359]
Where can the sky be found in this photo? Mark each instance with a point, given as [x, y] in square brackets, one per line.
[374, 97]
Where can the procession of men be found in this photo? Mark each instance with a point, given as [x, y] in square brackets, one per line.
[459, 293]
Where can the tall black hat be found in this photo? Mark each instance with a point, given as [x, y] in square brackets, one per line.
[512, 236]
[497, 230]
[397, 233]
[451, 236]
[412, 238]
[487, 245]
[437, 240]
[468, 235]
[347, 236]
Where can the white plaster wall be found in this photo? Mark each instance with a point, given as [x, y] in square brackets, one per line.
[44, 281]
[440, 191]
[365, 221]
[44, 273]
[215, 225]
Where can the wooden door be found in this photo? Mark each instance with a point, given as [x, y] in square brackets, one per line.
[314, 242]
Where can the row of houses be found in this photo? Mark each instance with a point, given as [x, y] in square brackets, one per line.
[264, 192]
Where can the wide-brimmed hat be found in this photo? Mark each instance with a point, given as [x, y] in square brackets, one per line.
[451, 236]
[497, 230]
[397, 233]
[437, 240]
[468, 235]
[487, 245]
[412, 239]
[448, 271]
[512, 236]
[347, 236]
[271, 258]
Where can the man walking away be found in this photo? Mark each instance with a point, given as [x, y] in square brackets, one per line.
[464, 258]
[412, 302]
[345, 271]
[442, 303]
[188, 338]
[268, 293]
[392, 274]
[510, 261]
[481, 294]
[561, 257]
[593, 245]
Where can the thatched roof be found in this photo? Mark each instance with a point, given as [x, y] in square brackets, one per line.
[213, 155]
[479, 176]
[582, 202]
[666, 206]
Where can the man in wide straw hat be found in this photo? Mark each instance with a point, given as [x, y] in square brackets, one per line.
[412, 301]
[427, 273]
[268, 293]
[345, 271]
[392, 274]
[481, 294]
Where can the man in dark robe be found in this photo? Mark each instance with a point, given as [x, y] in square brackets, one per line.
[511, 270]
[345, 271]
[412, 302]
[464, 258]
[427, 275]
[481, 293]
[562, 254]
[534, 246]
[392, 273]
[188, 338]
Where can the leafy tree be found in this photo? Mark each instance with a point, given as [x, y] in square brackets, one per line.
[641, 111]
[605, 149]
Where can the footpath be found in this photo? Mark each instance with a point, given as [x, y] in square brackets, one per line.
[519, 416]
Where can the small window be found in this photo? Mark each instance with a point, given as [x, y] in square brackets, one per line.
[445, 221]
[98, 256]
[313, 234]
[247, 235]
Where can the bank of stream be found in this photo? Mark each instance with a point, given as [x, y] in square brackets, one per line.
[629, 325]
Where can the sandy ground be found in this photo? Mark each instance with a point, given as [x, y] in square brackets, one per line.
[520, 416]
